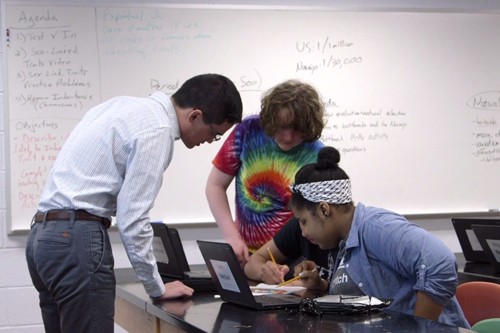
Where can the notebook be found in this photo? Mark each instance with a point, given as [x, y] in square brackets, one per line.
[172, 262]
[489, 238]
[231, 281]
[471, 248]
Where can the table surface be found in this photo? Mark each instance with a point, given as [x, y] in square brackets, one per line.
[205, 312]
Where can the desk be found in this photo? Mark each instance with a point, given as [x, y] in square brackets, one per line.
[136, 312]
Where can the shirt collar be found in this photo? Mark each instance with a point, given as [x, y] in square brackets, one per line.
[353, 238]
[168, 106]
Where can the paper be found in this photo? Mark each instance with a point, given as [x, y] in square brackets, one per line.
[264, 289]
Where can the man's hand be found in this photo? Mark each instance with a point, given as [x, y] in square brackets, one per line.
[176, 289]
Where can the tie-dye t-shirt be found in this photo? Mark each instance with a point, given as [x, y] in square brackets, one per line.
[263, 173]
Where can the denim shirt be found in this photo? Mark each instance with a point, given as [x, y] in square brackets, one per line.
[390, 258]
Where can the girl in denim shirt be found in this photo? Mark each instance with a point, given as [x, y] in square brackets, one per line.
[380, 254]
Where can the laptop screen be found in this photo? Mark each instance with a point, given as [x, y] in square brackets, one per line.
[229, 278]
[166, 255]
[471, 247]
[489, 238]
[232, 283]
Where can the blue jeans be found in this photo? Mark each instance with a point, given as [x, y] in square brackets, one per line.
[71, 266]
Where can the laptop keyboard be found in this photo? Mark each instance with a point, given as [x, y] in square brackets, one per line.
[276, 299]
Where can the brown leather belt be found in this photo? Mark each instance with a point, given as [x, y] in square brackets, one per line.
[53, 215]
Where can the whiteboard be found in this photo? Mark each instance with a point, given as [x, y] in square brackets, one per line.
[413, 98]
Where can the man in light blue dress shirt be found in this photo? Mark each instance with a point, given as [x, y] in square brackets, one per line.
[112, 164]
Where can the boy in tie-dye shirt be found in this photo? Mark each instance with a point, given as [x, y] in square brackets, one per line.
[262, 154]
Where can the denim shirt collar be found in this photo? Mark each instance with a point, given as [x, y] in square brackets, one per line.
[353, 238]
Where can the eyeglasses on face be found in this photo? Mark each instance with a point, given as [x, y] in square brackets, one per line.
[216, 136]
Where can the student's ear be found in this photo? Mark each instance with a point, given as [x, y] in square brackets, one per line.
[324, 210]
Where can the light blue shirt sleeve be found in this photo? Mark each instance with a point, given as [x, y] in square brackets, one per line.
[112, 164]
[390, 258]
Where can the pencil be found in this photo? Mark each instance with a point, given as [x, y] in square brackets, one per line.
[271, 255]
[288, 281]
[272, 258]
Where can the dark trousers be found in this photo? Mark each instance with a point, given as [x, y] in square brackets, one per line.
[71, 266]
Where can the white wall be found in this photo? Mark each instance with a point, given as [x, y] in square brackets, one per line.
[19, 310]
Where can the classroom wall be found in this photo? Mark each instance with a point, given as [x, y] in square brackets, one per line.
[19, 310]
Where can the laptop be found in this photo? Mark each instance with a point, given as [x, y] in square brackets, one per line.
[489, 238]
[231, 281]
[471, 248]
[172, 262]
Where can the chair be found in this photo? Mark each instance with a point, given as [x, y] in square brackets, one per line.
[491, 325]
[479, 300]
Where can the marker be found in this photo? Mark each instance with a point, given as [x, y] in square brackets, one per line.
[494, 210]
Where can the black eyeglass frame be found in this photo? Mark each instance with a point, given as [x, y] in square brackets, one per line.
[216, 136]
